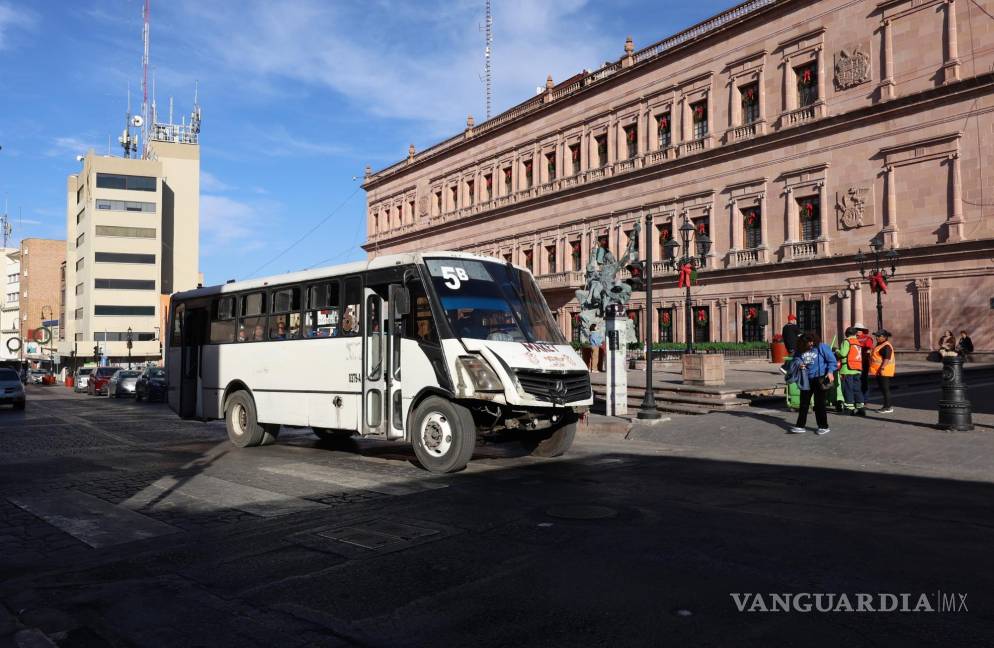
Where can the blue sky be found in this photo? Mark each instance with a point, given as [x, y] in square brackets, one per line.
[298, 96]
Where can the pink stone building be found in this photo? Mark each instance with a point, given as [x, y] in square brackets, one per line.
[792, 132]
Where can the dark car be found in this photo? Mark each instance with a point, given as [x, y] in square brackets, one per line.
[11, 389]
[97, 385]
[151, 384]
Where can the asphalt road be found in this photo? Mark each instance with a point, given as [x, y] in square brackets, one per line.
[121, 525]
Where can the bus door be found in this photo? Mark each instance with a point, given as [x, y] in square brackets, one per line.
[194, 331]
[375, 395]
[399, 306]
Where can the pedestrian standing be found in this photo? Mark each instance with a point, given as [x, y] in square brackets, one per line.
[866, 344]
[790, 333]
[850, 373]
[882, 365]
[814, 368]
[596, 340]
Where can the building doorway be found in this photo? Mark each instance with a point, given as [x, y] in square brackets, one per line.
[752, 330]
[809, 316]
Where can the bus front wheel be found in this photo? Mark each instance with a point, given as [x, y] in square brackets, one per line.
[550, 443]
[244, 429]
[443, 434]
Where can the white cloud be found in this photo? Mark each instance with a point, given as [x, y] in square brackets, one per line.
[280, 142]
[11, 18]
[225, 221]
[368, 55]
[71, 145]
[210, 182]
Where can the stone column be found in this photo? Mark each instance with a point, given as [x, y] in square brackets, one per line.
[685, 121]
[735, 225]
[612, 140]
[822, 73]
[888, 87]
[762, 94]
[857, 301]
[776, 313]
[584, 149]
[764, 235]
[954, 223]
[823, 218]
[642, 126]
[789, 85]
[845, 307]
[890, 227]
[584, 248]
[790, 215]
[725, 327]
[923, 330]
[950, 66]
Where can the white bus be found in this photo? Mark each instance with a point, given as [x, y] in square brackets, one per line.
[433, 349]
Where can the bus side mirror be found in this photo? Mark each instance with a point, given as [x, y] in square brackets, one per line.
[400, 300]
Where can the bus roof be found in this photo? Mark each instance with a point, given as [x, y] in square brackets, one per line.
[384, 261]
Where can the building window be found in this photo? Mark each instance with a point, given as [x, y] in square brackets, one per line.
[507, 181]
[665, 319]
[80, 239]
[807, 84]
[79, 195]
[128, 182]
[79, 289]
[550, 165]
[702, 225]
[664, 129]
[78, 314]
[410, 210]
[529, 174]
[284, 322]
[750, 103]
[12, 298]
[752, 226]
[436, 203]
[509, 258]
[631, 140]
[471, 190]
[124, 310]
[123, 257]
[400, 215]
[751, 329]
[809, 210]
[79, 216]
[122, 336]
[702, 320]
[529, 261]
[600, 142]
[124, 205]
[550, 258]
[574, 157]
[809, 316]
[12, 278]
[126, 232]
[453, 198]
[79, 264]
[575, 254]
[699, 119]
[124, 284]
[488, 187]
[665, 234]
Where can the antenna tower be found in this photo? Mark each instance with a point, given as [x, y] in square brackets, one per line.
[5, 225]
[487, 54]
[145, 116]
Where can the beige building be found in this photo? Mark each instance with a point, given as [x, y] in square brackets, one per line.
[793, 133]
[10, 320]
[40, 295]
[133, 236]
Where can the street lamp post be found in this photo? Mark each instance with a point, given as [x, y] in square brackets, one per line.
[686, 264]
[648, 411]
[878, 273]
[130, 337]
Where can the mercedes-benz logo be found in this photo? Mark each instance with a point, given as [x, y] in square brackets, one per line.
[559, 391]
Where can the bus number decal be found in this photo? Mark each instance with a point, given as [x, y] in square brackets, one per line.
[353, 378]
[454, 276]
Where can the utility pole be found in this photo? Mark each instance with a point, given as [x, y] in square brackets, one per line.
[648, 408]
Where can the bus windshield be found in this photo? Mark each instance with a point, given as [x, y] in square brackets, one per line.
[490, 301]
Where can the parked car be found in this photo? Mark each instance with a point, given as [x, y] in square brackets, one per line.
[97, 384]
[11, 389]
[151, 384]
[36, 376]
[122, 383]
[82, 379]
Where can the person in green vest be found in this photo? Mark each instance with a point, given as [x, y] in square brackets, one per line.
[851, 355]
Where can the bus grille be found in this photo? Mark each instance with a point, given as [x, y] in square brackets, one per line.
[562, 387]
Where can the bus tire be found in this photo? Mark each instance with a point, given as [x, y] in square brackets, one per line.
[240, 419]
[443, 435]
[550, 443]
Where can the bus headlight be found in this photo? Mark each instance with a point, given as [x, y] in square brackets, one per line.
[481, 376]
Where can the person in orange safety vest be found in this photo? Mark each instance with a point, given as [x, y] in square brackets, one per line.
[882, 365]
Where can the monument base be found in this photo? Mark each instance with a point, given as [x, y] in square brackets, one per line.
[704, 369]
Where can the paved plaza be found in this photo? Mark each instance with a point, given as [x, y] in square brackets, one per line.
[122, 525]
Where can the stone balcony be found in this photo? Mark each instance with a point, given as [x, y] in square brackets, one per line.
[696, 146]
[571, 279]
[799, 250]
[746, 131]
[803, 115]
[748, 257]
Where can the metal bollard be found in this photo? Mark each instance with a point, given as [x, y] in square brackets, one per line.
[954, 409]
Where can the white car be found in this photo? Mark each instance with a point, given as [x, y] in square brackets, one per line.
[11, 389]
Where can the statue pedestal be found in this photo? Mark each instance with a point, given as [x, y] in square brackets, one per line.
[704, 369]
[616, 365]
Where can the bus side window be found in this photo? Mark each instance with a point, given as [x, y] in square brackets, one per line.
[352, 307]
[420, 325]
[176, 338]
[223, 320]
[252, 325]
[321, 318]
[284, 321]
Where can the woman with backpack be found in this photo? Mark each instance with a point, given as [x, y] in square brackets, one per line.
[813, 369]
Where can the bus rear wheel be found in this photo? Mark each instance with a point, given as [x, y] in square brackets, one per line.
[443, 435]
[244, 429]
[550, 443]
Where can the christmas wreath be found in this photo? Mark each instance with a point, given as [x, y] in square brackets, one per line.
[807, 77]
[699, 113]
[751, 313]
[664, 122]
[809, 209]
[749, 96]
[631, 133]
[666, 320]
[702, 316]
[751, 218]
